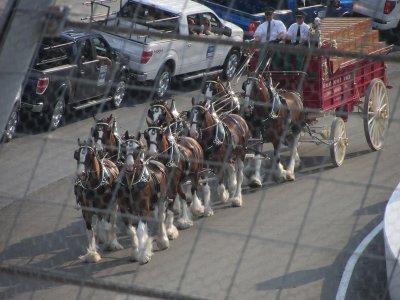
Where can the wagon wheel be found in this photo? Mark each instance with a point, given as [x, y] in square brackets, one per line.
[376, 113]
[339, 141]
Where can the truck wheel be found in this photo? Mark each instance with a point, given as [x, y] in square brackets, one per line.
[11, 125]
[230, 65]
[162, 82]
[119, 92]
[56, 114]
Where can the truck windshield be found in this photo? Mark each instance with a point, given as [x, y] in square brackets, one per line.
[53, 52]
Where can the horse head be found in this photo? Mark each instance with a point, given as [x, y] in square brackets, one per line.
[158, 139]
[257, 90]
[214, 88]
[85, 156]
[201, 119]
[223, 97]
[133, 149]
[103, 133]
[159, 114]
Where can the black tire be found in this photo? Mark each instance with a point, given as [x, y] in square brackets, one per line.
[55, 116]
[119, 91]
[162, 82]
[11, 126]
[230, 65]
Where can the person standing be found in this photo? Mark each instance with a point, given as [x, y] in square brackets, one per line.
[297, 35]
[271, 31]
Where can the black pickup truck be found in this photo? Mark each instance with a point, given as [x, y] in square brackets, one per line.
[73, 71]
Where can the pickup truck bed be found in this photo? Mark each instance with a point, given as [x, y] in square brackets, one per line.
[70, 72]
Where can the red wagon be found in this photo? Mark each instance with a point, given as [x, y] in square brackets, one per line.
[336, 86]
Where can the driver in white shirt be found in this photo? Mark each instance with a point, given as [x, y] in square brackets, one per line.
[271, 31]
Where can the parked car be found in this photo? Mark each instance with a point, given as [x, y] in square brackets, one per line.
[154, 60]
[75, 70]
[385, 15]
[249, 14]
[13, 119]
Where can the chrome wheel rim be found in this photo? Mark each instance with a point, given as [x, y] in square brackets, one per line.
[232, 65]
[119, 93]
[11, 124]
[163, 83]
[57, 113]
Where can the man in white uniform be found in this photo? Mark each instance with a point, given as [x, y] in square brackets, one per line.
[271, 31]
[297, 35]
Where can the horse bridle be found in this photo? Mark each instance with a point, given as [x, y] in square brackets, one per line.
[133, 146]
[251, 103]
[153, 109]
[208, 84]
[103, 180]
[100, 129]
[146, 133]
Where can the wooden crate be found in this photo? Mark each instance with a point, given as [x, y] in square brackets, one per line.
[351, 35]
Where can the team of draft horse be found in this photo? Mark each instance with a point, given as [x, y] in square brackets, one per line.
[141, 177]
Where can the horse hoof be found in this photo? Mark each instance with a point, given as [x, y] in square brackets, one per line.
[144, 260]
[279, 179]
[208, 212]
[172, 233]
[91, 257]
[184, 224]
[114, 246]
[237, 202]
[255, 182]
[290, 177]
[162, 244]
[198, 212]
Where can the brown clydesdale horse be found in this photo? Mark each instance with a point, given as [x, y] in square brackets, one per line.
[224, 142]
[275, 116]
[142, 194]
[183, 157]
[225, 99]
[162, 115]
[105, 135]
[95, 180]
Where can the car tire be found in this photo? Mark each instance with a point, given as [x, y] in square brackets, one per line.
[56, 114]
[162, 82]
[230, 65]
[119, 92]
[11, 126]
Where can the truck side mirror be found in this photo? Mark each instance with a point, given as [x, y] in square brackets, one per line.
[227, 31]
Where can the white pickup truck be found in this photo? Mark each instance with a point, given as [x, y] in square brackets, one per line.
[154, 60]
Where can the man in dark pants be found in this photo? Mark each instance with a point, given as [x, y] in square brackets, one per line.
[271, 31]
[297, 35]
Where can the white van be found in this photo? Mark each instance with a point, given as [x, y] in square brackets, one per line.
[385, 14]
